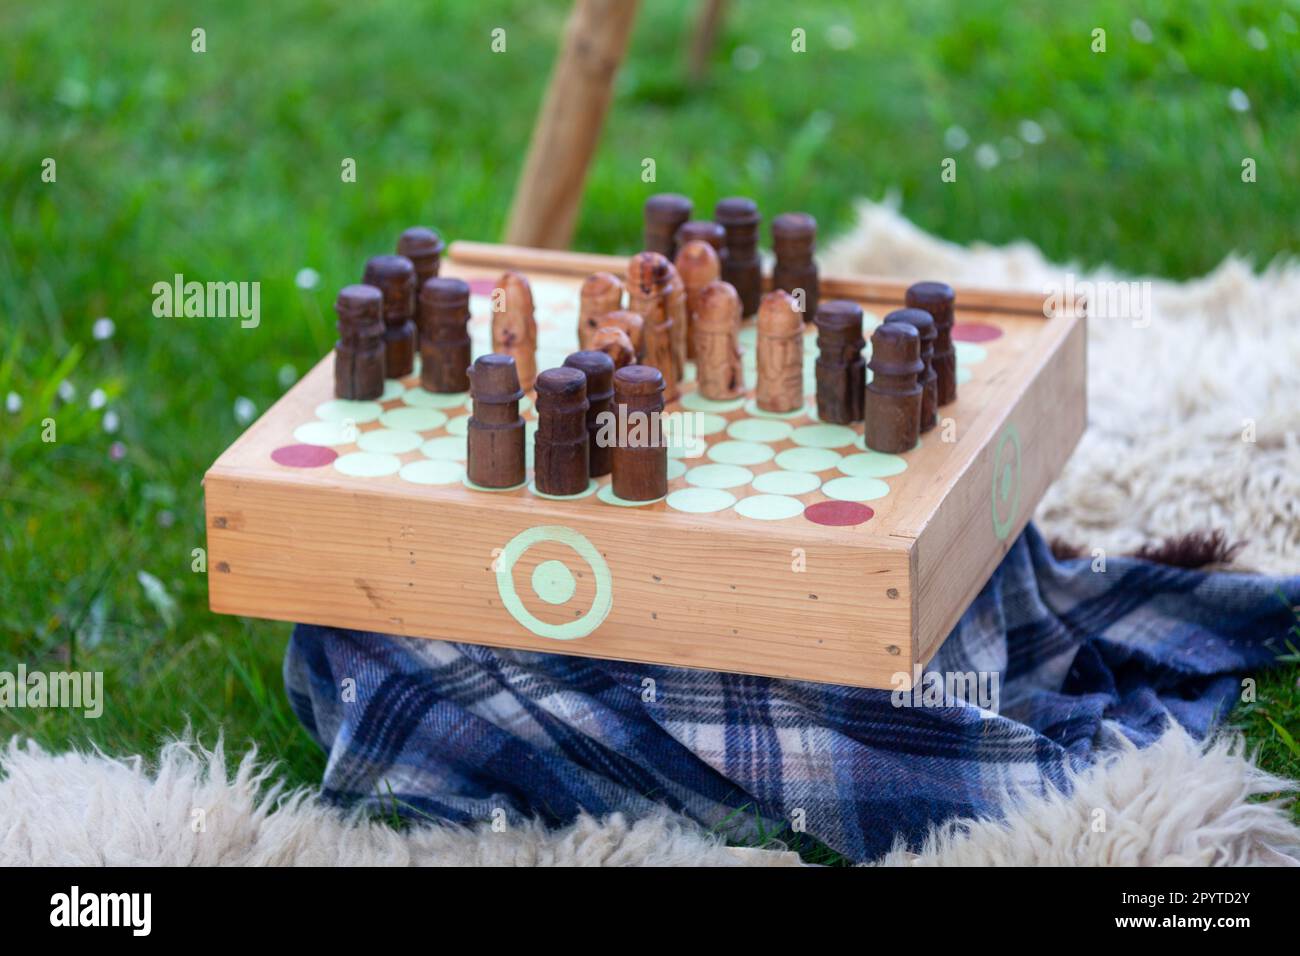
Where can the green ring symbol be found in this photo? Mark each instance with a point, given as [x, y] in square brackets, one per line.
[1006, 481]
[569, 630]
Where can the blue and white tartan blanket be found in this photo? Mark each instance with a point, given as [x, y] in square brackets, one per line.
[471, 734]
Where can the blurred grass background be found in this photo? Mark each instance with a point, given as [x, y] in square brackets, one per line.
[225, 166]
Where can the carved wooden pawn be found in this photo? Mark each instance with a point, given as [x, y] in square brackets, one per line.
[394, 276]
[664, 215]
[794, 234]
[705, 230]
[495, 435]
[640, 459]
[599, 369]
[359, 352]
[632, 325]
[675, 303]
[719, 374]
[740, 266]
[444, 335]
[560, 452]
[939, 300]
[698, 265]
[613, 341]
[514, 327]
[601, 293]
[893, 406]
[780, 354]
[923, 322]
[647, 294]
[841, 370]
[424, 248]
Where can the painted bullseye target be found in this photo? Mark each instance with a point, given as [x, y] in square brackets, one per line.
[1006, 481]
[553, 582]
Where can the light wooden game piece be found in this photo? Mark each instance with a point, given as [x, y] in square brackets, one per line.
[613, 341]
[647, 295]
[675, 302]
[719, 374]
[780, 354]
[640, 457]
[664, 214]
[359, 352]
[599, 369]
[841, 370]
[632, 325]
[794, 235]
[394, 276]
[740, 266]
[514, 327]
[893, 406]
[424, 248]
[561, 458]
[705, 230]
[495, 435]
[601, 293]
[444, 335]
[923, 322]
[698, 265]
[939, 300]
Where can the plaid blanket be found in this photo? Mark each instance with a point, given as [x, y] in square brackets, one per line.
[468, 734]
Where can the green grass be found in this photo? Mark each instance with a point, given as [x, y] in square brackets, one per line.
[225, 165]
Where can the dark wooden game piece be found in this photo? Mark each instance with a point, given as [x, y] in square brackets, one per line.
[740, 265]
[495, 435]
[613, 341]
[719, 374]
[893, 405]
[640, 459]
[648, 277]
[706, 230]
[794, 235]
[601, 293]
[939, 300]
[664, 215]
[359, 352]
[841, 370]
[444, 335]
[394, 276]
[424, 248]
[780, 354]
[561, 457]
[923, 322]
[599, 369]
[514, 326]
[698, 265]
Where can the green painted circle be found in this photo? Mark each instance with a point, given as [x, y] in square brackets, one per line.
[1006, 473]
[872, 464]
[823, 436]
[719, 476]
[786, 482]
[855, 489]
[675, 468]
[769, 507]
[591, 487]
[964, 374]
[342, 410]
[569, 630]
[326, 433]
[606, 494]
[707, 423]
[969, 353]
[432, 472]
[740, 453]
[695, 402]
[808, 459]
[475, 487]
[760, 429]
[405, 418]
[446, 447]
[365, 464]
[458, 425]
[419, 398]
[553, 582]
[700, 500]
[392, 389]
[389, 441]
[751, 408]
[694, 449]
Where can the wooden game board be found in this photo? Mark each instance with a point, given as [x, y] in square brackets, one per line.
[784, 547]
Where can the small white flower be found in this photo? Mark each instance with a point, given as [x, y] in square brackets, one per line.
[166, 519]
[13, 403]
[286, 376]
[307, 279]
[986, 154]
[98, 399]
[245, 410]
[746, 58]
[1255, 37]
[1238, 100]
[111, 421]
[67, 391]
[955, 137]
[840, 37]
[1141, 31]
[103, 329]
[1031, 132]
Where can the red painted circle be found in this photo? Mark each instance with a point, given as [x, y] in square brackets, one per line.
[303, 456]
[975, 332]
[838, 513]
[482, 286]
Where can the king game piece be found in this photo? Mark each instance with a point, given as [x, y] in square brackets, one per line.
[601, 293]
[794, 235]
[841, 370]
[495, 435]
[780, 354]
[706, 230]
[923, 322]
[599, 369]
[664, 214]
[444, 335]
[359, 352]
[424, 248]
[640, 459]
[514, 327]
[394, 276]
[561, 457]
[698, 265]
[893, 406]
[740, 266]
[613, 341]
[648, 278]
[938, 299]
[719, 373]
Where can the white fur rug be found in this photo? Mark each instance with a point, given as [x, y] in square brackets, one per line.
[1163, 455]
